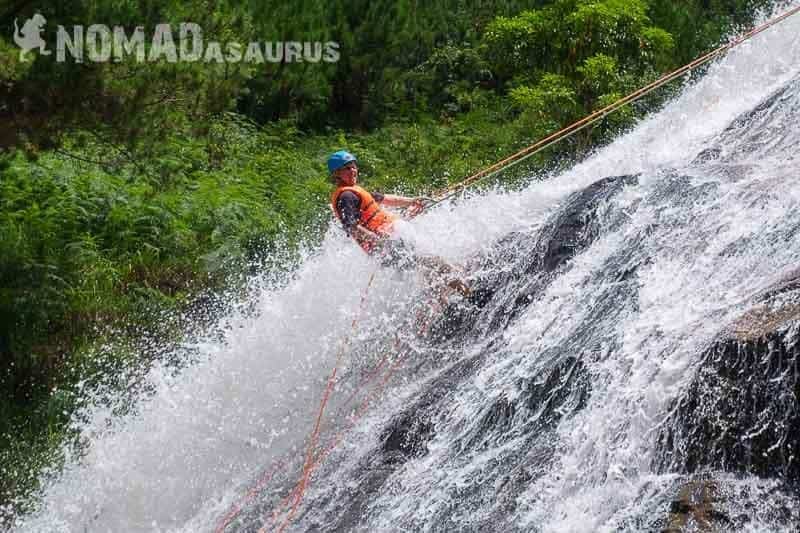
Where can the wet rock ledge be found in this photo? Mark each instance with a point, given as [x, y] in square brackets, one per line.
[741, 414]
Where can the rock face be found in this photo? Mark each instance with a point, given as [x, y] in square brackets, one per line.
[529, 262]
[695, 508]
[570, 231]
[717, 502]
[741, 413]
[739, 416]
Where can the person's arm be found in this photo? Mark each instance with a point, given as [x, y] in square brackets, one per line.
[394, 200]
[414, 206]
[348, 206]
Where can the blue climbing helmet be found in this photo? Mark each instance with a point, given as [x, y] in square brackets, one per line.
[339, 159]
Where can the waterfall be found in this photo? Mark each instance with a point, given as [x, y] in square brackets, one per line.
[623, 312]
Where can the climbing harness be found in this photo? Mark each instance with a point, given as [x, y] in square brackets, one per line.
[314, 458]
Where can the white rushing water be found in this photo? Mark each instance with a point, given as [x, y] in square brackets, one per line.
[200, 440]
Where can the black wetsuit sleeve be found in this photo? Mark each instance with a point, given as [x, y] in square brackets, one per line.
[348, 206]
[378, 197]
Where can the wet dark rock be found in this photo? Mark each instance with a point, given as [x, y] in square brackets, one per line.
[578, 225]
[709, 154]
[532, 419]
[548, 396]
[711, 503]
[754, 132]
[350, 506]
[561, 385]
[562, 388]
[500, 415]
[409, 432]
[695, 508]
[511, 279]
[406, 438]
[571, 231]
[742, 411]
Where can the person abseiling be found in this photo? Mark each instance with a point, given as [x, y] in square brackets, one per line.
[371, 226]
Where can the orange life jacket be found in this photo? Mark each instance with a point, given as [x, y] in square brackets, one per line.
[372, 216]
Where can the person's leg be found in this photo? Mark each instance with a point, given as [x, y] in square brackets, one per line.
[396, 253]
[444, 272]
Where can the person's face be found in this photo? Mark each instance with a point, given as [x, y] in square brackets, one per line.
[348, 174]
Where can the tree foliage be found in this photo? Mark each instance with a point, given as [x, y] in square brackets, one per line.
[562, 60]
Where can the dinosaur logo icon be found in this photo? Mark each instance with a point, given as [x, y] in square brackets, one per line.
[31, 36]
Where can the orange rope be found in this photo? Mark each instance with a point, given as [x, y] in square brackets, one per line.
[285, 501]
[237, 508]
[251, 494]
[309, 462]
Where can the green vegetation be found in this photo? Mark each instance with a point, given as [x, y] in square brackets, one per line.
[127, 189]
